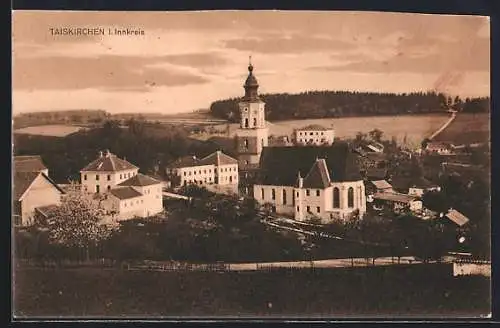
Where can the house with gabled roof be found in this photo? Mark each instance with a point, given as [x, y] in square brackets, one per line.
[314, 134]
[215, 169]
[32, 190]
[306, 182]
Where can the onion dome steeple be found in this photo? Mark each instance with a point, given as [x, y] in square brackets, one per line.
[251, 85]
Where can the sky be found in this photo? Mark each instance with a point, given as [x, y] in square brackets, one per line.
[183, 61]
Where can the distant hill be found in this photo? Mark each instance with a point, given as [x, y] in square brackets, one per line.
[77, 116]
[329, 104]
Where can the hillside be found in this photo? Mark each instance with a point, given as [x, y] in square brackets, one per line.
[334, 104]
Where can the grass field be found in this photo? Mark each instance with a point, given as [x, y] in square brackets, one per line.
[415, 127]
[49, 130]
[467, 128]
[416, 291]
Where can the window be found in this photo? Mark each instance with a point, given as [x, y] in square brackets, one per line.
[308, 209]
[204, 171]
[189, 172]
[284, 197]
[297, 194]
[308, 192]
[109, 177]
[318, 192]
[246, 122]
[97, 177]
[185, 173]
[97, 189]
[125, 204]
[84, 177]
[246, 143]
[194, 172]
[321, 133]
[109, 188]
[262, 193]
[254, 122]
[350, 197]
[298, 208]
[230, 178]
[311, 134]
[336, 197]
[318, 209]
[199, 172]
[273, 194]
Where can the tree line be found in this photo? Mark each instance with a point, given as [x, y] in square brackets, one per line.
[328, 104]
[147, 145]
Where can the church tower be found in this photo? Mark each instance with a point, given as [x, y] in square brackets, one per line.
[252, 136]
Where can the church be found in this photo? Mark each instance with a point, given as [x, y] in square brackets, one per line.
[302, 182]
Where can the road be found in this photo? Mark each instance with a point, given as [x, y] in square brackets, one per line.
[444, 126]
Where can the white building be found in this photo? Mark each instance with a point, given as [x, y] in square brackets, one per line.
[314, 135]
[139, 196]
[307, 182]
[105, 172]
[32, 189]
[126, 193]
[214, 169]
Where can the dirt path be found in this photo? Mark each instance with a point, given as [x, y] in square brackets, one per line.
[444, 126]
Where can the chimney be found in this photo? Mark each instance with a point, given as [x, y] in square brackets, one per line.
[100, 154]
[107, 153]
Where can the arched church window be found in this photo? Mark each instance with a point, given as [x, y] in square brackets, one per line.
[254, 122]
[246, 122]
[350, 197]
[336, 197]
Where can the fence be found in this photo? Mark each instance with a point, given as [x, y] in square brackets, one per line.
[164, 266]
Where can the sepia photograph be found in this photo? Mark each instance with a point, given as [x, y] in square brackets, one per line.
[250, 164]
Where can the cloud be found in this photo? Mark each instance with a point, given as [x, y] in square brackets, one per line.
[113, 72]
[294, 43]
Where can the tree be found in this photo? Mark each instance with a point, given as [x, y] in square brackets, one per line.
[376, 135]
[78, 223]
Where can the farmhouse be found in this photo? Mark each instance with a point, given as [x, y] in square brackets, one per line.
[397, 202]
[414, 186]
[125, 192]
[379, 186]
[33, 190]
[314, 134]
[456, 217]
[325, 182]
[215, 169]
[440, 148]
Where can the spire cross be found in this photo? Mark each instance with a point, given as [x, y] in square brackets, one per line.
[250, 60]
